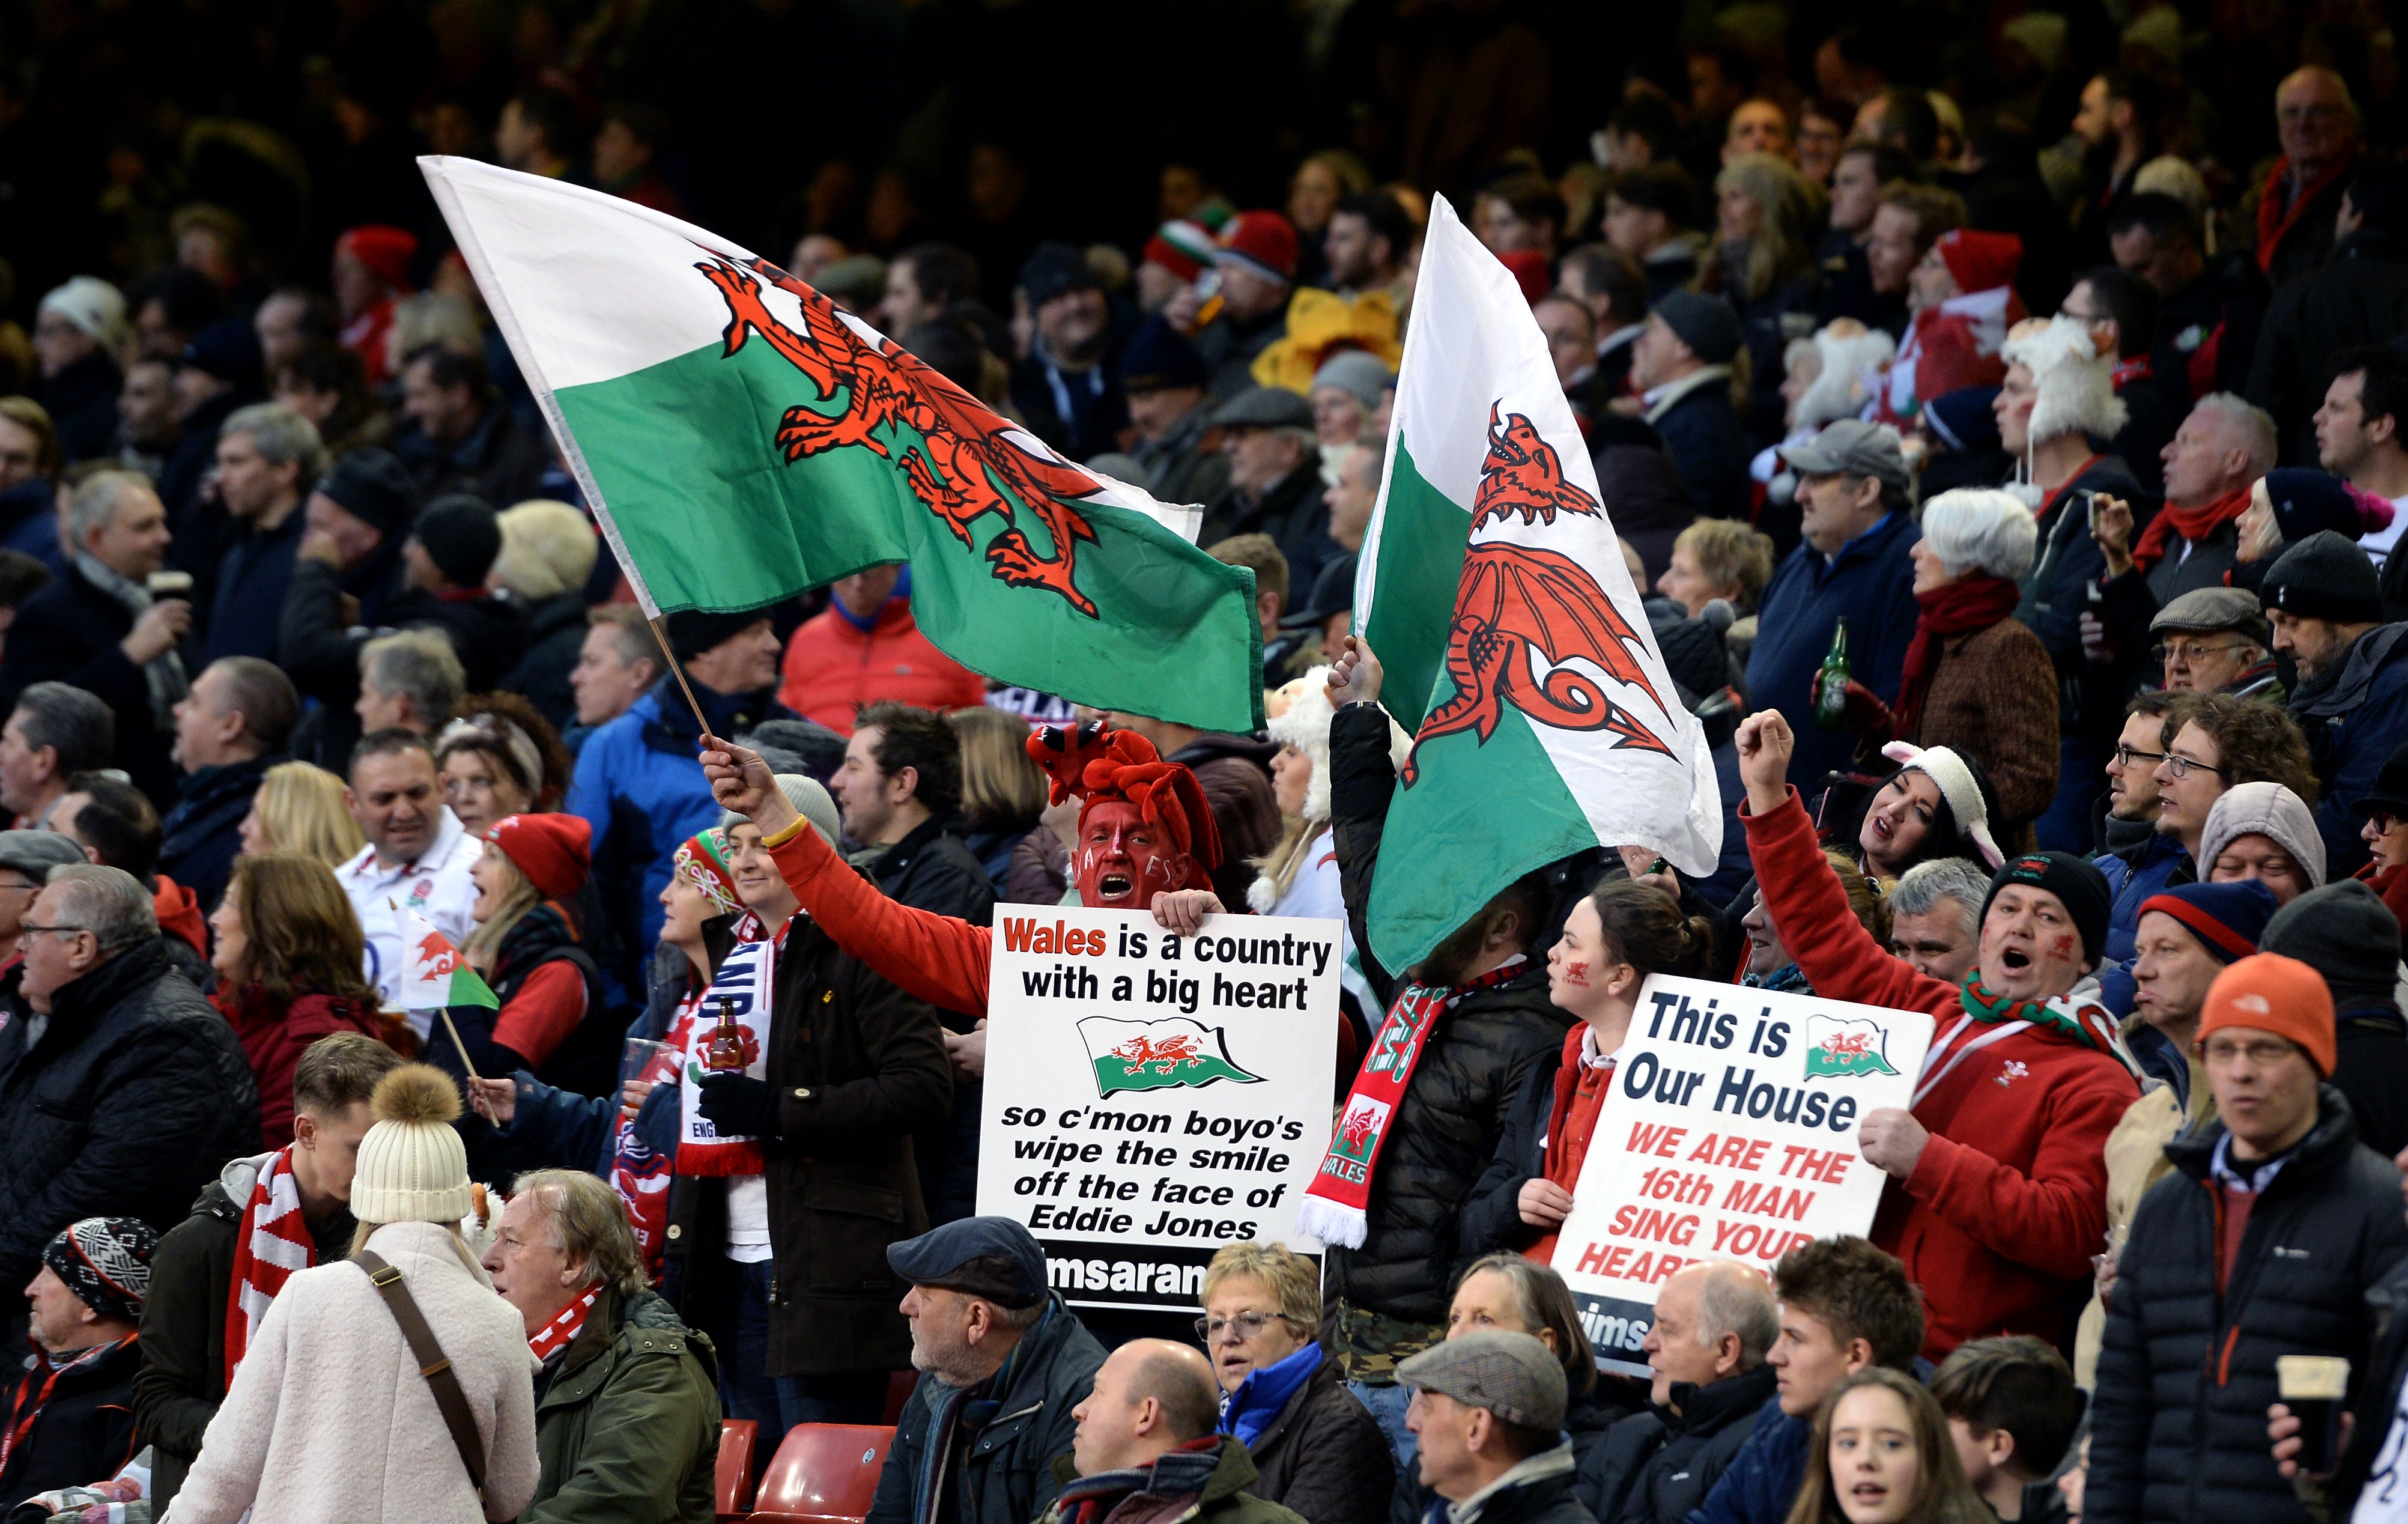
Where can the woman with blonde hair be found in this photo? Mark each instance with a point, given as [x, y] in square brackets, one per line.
[298, 982]
[299, 808]
[1763, 265]
[1316, 1449]
[1003, 789]
[528, 946]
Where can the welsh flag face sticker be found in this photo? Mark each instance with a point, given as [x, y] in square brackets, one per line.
[433, 972]
[1840, 1048]
[1158, 1055]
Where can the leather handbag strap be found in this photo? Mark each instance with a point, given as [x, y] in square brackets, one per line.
[433, 1364]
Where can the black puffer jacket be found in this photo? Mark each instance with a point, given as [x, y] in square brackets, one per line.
[1471, 1074]
[134, 1095]
[1694, 1447]
[2186, 1374]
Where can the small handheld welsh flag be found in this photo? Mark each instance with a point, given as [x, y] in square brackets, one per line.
[433, 972]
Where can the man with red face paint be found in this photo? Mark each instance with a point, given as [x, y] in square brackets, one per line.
[1145, 842]
[1998, 1189]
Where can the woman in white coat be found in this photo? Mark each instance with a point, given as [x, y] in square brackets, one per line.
[328, 1416]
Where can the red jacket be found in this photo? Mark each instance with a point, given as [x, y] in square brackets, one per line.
[832, 665]
[2009, 1200]
[178, 911]
[272, 1036]
[938, 959]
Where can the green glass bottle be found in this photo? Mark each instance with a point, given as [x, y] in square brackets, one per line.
[1831, 681]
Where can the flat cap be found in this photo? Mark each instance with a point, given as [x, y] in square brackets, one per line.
[1511, 1374]
[1265, 407]
[2204, 609]
[33, 854]
[995, 1259]
[1850, 447]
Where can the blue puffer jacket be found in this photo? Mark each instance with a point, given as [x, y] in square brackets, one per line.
[639, 783]
[1872, 581]
[2134, 871]
[1764, 1477]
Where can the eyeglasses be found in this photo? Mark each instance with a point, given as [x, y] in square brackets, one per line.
[1245, 1328]
[2259, 1053]
[2182, 767]
[2165, 655]
[2126, 757]
[27, 928]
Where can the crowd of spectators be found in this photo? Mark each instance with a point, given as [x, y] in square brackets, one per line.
[2006, 418]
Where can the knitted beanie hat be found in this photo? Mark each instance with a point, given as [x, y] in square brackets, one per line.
[105, 1261]
[808, 797]
[2076, 385]
[703, 863]
[2226, 918]
[94, 308]
[554, 851]
[2346, 932]
[1263, 241]
[2274, 994]
[462, 534]
[2267, 810]
[411, 1165]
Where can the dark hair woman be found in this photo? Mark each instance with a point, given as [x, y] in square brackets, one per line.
[1614, 938]
[295, 982]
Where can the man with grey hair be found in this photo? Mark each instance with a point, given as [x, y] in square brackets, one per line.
[408, 681]
[2214, 459]
[122, 1091]
[1274, 480]
[100, 628]
[268, 457]
[54, 732]
[626, 1419]
[1713, 1322]
[1936, 917]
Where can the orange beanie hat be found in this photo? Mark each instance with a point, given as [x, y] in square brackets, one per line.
[2274, 994]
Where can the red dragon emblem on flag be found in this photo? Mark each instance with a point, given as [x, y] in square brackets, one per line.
[959, 458]
[1523, 613]
[438, 953]
[1165, 1056]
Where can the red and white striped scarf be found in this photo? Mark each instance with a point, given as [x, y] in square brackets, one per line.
[270, 1243]
[557, 1335]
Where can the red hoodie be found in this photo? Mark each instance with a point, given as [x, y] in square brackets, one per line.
[179, 912]
[2009, 1200]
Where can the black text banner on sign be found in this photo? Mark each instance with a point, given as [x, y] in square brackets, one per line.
[1152, 1097]
[1731, 1134]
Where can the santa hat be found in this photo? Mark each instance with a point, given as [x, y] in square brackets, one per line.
[554, 851]
[1981, 261]
[2076, 384]
[385, 251]
[1100, 766]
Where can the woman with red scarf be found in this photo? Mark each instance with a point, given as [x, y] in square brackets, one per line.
[1976, 681]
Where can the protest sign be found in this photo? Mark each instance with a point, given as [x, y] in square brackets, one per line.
[1152, 1097]
[1731, 1134]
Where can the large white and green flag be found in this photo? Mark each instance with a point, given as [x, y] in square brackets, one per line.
[1493, 588]
[741, 440]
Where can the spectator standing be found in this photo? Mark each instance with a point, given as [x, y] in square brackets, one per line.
[923, 284]
[1713, 1324]
[2352, 702]
[617, 664]
[70, 1417]
[1680, 367]
[864, 646]
[1650, 211]
[54, 730]
[230, 729]
[1763, 265]
[417, 857]
[408, 681]
[445, 563]
[985, 1328]
[1936, 917]
[2121, 311]
[528, 946]
[1857, 180]
[460, 437]
[268, 457]
[79, 333]
[346, 581]
[1316, 1451]
[2219, 743]
[1608, 283]
[547, 558]
[1163, 376]
[1235, 772]
[2344, 932]
[2295, 208]
[1275, 486]
[1003, 791]
[122, 1091]
[1997, 1191]
[1488, 1410]
[1064, 386]
[100, 629]
[2208, 316]
[1858, 526]
[2318, 325]
[2357, 436]
[626, 1416]
[498, 758]
[213, 1286]
[329, 1361]
[2281, 1224]
[1256, 259]
[370, 269]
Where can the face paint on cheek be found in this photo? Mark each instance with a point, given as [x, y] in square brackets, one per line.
[1576, 973]
[2063, 949]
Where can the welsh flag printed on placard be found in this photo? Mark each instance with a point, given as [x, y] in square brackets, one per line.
[741, 440]
[1158, 1055]
[1493, 588]
[433, 972]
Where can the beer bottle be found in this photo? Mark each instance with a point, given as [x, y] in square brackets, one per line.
[1831, 681]
[723, 1053]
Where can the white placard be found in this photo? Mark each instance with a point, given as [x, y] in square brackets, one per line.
[1731, 1134]
[1151, 1097]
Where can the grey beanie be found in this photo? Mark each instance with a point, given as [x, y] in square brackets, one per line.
[2267, 810]
[2346, 932]
[804, 794]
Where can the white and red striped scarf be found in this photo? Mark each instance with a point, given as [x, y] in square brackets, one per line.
[270, 1243]
[557, 1335]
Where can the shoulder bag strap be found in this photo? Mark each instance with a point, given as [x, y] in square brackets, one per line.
[432, 1363]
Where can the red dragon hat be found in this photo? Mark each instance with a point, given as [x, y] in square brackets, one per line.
[1101, 764]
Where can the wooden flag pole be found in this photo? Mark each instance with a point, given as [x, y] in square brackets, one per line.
[661, 633]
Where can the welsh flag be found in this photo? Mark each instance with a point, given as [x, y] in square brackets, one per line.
[1493, 588]
[433, 972]
[1157, 1055]
[741, 440]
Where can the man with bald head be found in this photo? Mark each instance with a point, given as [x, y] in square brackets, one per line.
[2318, 125]
[1149, 1431]
[1713, 1322]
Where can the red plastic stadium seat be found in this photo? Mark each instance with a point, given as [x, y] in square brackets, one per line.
[737, 1438]
[824, 1471]
[900, 1387]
